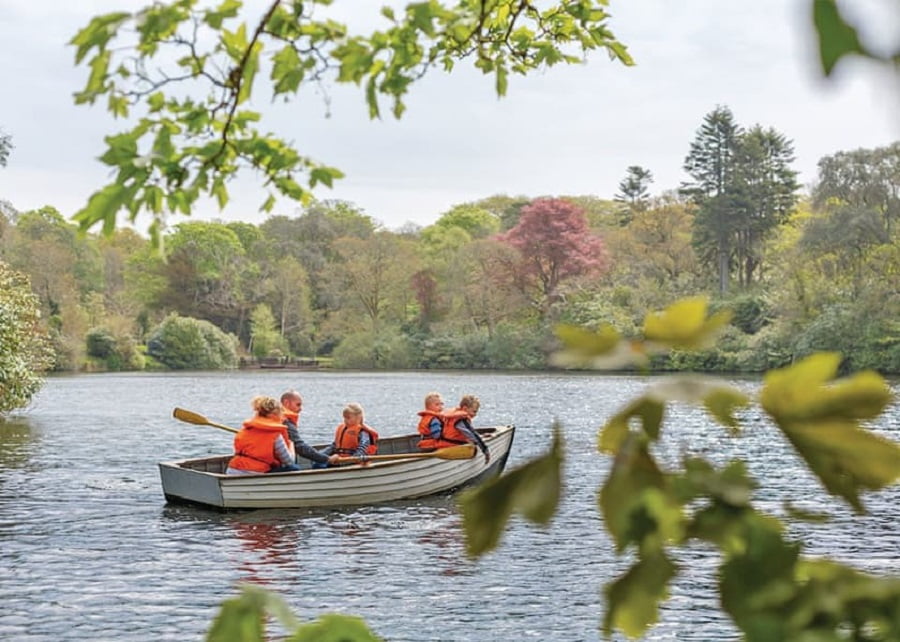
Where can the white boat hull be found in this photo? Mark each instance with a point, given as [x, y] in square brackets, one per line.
[202, 481]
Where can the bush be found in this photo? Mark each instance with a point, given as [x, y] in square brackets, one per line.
[364, 350]
[751, 313]
[184, 343]
[101, 343]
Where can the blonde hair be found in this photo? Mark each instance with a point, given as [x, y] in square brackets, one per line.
[266, 406]
[432, 397]
[352, 408]
[471, 402]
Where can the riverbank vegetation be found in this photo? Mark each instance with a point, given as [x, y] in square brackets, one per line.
[484, 284]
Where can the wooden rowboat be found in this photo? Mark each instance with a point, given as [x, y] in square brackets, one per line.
[203, 481]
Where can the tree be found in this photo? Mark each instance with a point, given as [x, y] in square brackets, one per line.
[189, 71]
[710, 163]
[554, 245]
[765, 194]
[206, 269]
[265, 340]
[743, 187]
[477, 222]
[634, 191]
[25, 350]
[6, 147]
[864, 180]
[375, 273]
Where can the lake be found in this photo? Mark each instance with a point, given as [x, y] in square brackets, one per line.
[91, 551]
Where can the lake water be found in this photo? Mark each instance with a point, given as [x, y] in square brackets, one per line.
[91, 551]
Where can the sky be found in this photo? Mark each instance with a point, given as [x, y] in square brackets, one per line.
[562, 131]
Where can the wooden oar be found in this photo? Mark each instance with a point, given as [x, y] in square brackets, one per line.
[194, 418]
[463, 451]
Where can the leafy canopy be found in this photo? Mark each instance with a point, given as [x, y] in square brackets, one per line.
[184, 71]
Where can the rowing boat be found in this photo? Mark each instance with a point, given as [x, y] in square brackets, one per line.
[203, 481]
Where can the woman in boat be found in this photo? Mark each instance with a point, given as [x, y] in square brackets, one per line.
[262, 445]
[353, 438]
[291, 405]
[457, 428]
[431, 421]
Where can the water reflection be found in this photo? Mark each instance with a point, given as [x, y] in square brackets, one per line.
[18, 441]
[266, 545]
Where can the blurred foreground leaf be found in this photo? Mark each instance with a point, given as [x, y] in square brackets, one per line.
[821, 419]
[243, 619]
[532, 490]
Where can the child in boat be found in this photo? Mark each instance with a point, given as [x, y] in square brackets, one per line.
[431, 421]
[262, 445]
[353, 438]
[292, 404]
[457, 428]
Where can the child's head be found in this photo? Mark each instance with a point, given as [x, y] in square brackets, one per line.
[353, 413]
[471, 404]
[433, 401]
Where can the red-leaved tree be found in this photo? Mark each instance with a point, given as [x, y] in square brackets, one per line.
[555, 245]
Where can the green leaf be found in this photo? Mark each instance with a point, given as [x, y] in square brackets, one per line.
[100, 30]
[334, 628]
[647, 408]
[533, 490]
[103, 205]
[836, 37]
[502, 81]
[637, 501]
[684, 324]
[759, 578]
[633, 599]
[821, 420]
[603, 348]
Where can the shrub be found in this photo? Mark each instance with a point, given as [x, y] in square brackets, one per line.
[183, 343]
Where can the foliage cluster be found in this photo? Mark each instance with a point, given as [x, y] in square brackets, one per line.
[24, 345]
[766, 585]
[457, 294]
[183, 343]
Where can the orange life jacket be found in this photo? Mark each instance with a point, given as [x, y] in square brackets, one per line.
[450, 434]
[427, 441]
[254, 445]
[346, 439]
[294, 417]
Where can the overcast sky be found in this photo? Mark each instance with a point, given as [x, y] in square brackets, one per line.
[565, 131]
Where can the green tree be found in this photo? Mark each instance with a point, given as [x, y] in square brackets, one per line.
[265, 341]
[865, 182]
[24, 345]
[6, 147]
[765, 194]
[710, 163]
[634, 191]
[189, 71]
[478, 223]
[206, 273]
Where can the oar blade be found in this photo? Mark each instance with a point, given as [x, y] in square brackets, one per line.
[190, 417]
[463, 451]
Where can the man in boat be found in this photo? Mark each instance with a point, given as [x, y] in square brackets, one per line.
[457, 427]
[292, 405]
[431, 420]
[262, 444]
[353, 438]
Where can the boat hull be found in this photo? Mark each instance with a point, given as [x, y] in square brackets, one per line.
[202, 481]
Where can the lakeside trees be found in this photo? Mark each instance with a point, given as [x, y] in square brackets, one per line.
[482, 285]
